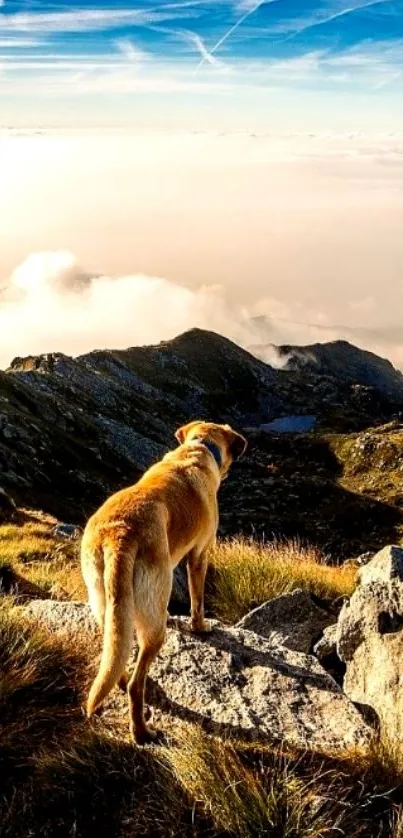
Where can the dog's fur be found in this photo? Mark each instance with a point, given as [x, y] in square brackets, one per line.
[133, 542]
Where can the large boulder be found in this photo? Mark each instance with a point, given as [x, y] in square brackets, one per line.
[295, 619]
[370, 641]
[235, 682]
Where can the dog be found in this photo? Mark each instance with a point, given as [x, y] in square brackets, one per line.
[131, 545]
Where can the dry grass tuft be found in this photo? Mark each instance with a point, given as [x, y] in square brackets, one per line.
[243, 574]
[32, 552]
[244, 799]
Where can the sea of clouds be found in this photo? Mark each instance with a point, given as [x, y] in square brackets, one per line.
[115, 239]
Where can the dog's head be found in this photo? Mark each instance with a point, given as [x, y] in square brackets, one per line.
[230, 444]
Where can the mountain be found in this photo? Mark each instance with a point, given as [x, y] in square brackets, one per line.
[73, 430]
[347, 363]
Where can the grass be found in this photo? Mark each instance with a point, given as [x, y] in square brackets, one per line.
[371, 462]
[243, 574]
[255, 794]
[64, 776]
[30, 550]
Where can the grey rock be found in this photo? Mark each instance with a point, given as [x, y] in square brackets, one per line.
[370, 642]
[57, 616]
[384, 566]
[327, 645]
[70, 531]
[235, 682]
[364, 558]
[294, 617]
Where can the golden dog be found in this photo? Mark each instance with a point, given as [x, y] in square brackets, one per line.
[131, 545]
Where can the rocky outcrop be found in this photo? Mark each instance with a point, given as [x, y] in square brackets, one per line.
[235, 682]
[293, 618]
[370, 641]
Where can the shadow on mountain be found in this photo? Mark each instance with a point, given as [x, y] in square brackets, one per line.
[289, 488]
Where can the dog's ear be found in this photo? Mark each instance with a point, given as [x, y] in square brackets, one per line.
[182, 432]
[237, 445]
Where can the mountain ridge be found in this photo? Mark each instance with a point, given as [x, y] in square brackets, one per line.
[72, 430]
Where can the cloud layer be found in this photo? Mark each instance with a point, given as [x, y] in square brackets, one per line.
[51, 304]
[181, 230]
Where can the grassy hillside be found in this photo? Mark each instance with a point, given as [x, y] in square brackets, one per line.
[341, 493]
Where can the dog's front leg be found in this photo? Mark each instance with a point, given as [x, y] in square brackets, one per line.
[197, 569]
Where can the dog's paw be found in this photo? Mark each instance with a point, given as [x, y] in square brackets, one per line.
[201, 626]
[144, 735]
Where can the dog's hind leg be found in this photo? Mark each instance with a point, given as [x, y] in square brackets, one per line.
[152, 589]
[197, 568]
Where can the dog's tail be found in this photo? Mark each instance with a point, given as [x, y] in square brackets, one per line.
[118, 623]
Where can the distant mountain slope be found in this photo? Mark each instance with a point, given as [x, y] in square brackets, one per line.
[347, 363]
[73, 430]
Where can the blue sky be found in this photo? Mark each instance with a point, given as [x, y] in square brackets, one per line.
[199, 64]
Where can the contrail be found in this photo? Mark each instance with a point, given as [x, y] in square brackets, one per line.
[205, 54]
[235, 25]
[334, 16]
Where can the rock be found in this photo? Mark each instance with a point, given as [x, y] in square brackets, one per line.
[235, 682]
[327, 645]
[370, 642]
[62, 616]
[326, 652]
[70, 531]
[363, 558]
[294, 617]
[7, 506]
[384, 566]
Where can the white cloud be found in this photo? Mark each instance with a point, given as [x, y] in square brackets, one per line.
[19, 43]
[87, 20]
[50, 77]
[51, 304]
[130, 50]
[299, 67]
